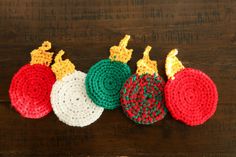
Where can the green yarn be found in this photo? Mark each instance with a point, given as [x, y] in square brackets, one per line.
[104, 82]
[142, 98]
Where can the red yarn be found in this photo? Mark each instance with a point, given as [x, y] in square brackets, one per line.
[191, 97]
[142, 98]
[30, 90]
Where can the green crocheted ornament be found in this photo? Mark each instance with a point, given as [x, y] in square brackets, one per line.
[104, 82]
[106, 78]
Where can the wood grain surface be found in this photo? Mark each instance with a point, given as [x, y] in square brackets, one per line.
[204, 31]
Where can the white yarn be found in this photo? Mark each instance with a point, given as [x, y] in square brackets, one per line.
[70, 102]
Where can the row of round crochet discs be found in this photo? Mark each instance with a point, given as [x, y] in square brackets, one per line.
[79, 100]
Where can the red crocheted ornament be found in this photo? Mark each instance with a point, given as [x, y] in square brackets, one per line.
[142, 98]
[191, 96]
[30, 90]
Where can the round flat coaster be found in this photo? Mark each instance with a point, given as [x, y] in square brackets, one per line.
[30, 90]
[191, 97]
[70, 102]
[142, 98]
[104, 82]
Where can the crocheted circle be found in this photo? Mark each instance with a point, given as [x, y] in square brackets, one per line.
[104, 82]
[142, 98]
[30, 90]
[70, 102]
[191, 97]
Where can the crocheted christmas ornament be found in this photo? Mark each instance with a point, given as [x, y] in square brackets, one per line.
[142, 96]
[69, 99]
[105, 79]
[31, 86]
[191, 96]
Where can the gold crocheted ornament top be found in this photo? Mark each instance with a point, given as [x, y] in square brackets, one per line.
[121, 53]
[61, 67]
[145, 65]
[41, 56]
[173, 65]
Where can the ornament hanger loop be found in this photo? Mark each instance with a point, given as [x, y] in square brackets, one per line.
[46, 45]
[173, 64]
[145, 65]
[124, 42]
[62, 67]
[41, 56]
[58, 57]
[121, 53]
[146, 52]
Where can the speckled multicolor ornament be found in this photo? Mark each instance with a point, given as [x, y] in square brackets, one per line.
[142, 97]
[31, 86]
[69, 100]
[105, 79]
[191, 96]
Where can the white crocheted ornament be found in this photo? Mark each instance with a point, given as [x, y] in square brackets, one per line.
[70, 102]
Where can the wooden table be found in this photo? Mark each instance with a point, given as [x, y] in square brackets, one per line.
[203, 31]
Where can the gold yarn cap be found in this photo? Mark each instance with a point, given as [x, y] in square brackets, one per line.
[121, 53]
[61, 67]
[40, 56]
[145, 65]
[173, 65]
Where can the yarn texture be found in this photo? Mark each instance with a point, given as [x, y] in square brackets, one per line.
[70, 102]
[120, 53]
[62, 67]
[173, 64]
[30, 90]
[142, 98]
[106, 78]
[104, 82]
[191, 96]
[41, 55]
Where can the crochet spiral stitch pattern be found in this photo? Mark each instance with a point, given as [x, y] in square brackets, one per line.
[104, 82]
[142, 96]
[191, 96]
[31, 86]
[69, 100]
[106, 78]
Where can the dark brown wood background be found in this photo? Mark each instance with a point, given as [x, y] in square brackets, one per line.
[203, 30]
